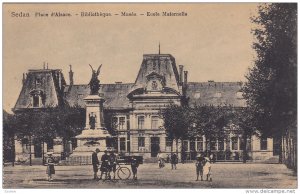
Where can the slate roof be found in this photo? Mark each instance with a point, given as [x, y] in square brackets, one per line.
[51, 83]
[161, 64]
[115, 95]
[215, 93]
[199, 93]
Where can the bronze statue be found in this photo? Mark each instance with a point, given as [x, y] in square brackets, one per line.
[95, 83]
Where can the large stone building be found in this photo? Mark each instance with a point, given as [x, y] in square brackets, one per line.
[136, 108]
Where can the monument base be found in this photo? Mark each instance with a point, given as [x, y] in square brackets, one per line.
[87, 142]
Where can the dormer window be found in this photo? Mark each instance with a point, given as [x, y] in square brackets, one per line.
[239, 95]
[154, 85]
[37, 98]
[38, 81]
[197, 95]
[218, 95]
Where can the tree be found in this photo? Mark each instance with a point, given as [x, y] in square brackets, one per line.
[43, 125]
[176, 122]
[271, 87]
[210, 122]
[244, 119]
[8, 137]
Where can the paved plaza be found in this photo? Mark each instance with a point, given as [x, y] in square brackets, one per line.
[225, 175]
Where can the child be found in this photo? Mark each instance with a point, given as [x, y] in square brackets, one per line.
[134, 166]
[207, 169]
[50, 166]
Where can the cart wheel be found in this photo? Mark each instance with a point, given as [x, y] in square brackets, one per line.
[124, 173]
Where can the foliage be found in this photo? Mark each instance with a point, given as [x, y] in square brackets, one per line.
[45, 124]
[271, 88]
[176, 121]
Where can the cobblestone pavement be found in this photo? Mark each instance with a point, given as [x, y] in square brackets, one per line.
[150, 176]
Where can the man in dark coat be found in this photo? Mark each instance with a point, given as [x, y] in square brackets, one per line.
[174, 161]
[200, 162]
[134, 166]
[95, 163]
[105, 168]
[113, 163]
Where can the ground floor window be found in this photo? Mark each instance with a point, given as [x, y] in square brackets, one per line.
[122, 144]
[168, 142]
[263, 143]
[199, 144]
[221, 144]
[141, 142]
[234, 143]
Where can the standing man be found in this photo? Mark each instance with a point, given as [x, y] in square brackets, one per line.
[105, 165]
[174, 161]
[134, 167]
[113, 163]
[200, 162]
[95, 163]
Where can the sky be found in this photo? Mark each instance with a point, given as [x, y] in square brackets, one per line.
[213, 42]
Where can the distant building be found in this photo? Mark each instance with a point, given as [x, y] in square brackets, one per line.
[136, 107]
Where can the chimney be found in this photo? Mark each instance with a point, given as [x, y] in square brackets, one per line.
[180, 74]
[185, 77]
[71, 73]
[23, 80]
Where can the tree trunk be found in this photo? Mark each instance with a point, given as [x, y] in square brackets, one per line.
[13, 150]
[30, 162]
[177, 147]
[245, 153]
[280, 150]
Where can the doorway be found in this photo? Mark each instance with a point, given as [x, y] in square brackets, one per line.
[154, 146]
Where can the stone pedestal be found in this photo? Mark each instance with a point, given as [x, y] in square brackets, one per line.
[94, 135]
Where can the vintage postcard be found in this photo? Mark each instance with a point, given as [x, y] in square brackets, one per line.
[150, 95]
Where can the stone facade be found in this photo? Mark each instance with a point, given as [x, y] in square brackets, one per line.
[136, 107]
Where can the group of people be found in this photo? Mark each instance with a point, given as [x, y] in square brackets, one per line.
[203, 164]
[203, 167]
[173, 160]
[109, 165]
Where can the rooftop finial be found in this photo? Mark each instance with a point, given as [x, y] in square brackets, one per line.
[159, 48]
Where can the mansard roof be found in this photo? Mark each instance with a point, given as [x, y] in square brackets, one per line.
[215, 93]
[49, 82]
[199, 93]
[115, 95]
[163, 65]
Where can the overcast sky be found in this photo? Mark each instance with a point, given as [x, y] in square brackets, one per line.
[213, 41]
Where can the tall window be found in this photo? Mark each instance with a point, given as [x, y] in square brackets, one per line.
[154, 122]
[221, 144]
[263, 143]
[122, 123]
[36, 100]
[213, 144]
[234, 143]
[122, 144]
[168, 142]
[119, 123]
[200, 144]
[141, 121]
[141, 142]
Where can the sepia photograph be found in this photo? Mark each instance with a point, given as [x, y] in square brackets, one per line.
[149, 96]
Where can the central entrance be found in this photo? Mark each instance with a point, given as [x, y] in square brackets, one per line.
[154, 146]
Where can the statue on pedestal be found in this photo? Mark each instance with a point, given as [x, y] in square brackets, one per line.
[92, 121]
[95, 83]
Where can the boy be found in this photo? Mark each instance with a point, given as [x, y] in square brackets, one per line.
[134, 166]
